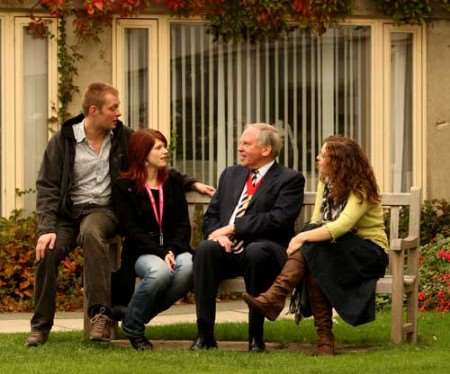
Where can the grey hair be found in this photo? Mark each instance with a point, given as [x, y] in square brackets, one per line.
[268, 135]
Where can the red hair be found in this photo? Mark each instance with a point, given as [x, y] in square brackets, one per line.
[140, 144]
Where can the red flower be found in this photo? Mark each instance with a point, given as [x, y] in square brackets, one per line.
[441, 295]
[448, 256]
[421, 296]
[442, 254]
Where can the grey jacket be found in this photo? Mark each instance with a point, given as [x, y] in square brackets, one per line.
[55, 177]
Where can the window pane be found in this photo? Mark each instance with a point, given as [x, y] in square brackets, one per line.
[309, 87]
[35, 110]
[136, 72]
[401, 111]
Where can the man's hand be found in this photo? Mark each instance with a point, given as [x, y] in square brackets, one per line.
[225, 242]
[170, 261]
[204, 189]
[295, 244]
[223, 231]
[45, 241]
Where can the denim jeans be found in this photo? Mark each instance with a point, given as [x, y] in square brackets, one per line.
[159, 289]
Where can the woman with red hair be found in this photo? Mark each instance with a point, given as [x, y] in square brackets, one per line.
[341, 254]
[151, 206]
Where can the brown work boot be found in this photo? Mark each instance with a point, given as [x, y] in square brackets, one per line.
[271, 302]
[36, 338]
[323, 317]
[100, 328]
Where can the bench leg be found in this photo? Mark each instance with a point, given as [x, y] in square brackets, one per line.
[397, 259]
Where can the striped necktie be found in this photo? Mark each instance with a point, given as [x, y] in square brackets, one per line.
[238, 246]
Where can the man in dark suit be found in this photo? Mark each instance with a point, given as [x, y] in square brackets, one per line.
[248, 225]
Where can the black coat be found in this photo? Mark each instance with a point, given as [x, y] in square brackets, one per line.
[271, 213]
[55, 179]
[138, 223]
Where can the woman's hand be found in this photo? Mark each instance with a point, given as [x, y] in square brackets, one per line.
[170, 261]
[296, 243]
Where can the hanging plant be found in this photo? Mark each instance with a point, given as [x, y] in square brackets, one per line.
[260, 19]
[406, 11]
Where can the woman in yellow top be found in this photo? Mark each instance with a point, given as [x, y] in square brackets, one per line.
[341, 254]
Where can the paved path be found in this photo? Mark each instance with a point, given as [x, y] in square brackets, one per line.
[229, 311]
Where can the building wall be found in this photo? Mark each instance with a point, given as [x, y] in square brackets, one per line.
[438, 109]
[97, 65]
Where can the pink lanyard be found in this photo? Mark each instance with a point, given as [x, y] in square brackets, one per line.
[158, 217]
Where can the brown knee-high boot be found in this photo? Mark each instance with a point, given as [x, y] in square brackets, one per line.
[322, 313]
[271, 302]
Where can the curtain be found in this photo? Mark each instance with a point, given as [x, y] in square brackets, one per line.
[401, 111]
[136, 72]
[35, 111]
[309, 87]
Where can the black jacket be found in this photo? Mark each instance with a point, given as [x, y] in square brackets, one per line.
[138, 223]
[271, 213]
[56, 174]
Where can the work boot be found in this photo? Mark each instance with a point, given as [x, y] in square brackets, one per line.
[100, 328]
[271, 302]
[36, 338]
[323, 317]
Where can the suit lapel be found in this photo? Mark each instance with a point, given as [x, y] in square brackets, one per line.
[268, 180]
[236, 186]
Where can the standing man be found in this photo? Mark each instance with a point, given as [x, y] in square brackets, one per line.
[248, 225]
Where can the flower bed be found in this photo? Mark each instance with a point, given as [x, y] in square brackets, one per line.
[434, 271]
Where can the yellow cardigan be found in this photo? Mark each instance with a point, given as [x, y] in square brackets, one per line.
[366, 218]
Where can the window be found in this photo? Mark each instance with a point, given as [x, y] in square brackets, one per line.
[28, 75]
[345, 82]
[136, 73]
[309, 87]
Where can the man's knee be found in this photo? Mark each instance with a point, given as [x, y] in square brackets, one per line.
[255, 253]
[207, 249]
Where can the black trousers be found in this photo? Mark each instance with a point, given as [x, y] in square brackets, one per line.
[257, 263]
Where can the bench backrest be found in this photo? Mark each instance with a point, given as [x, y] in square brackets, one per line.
[393, 203]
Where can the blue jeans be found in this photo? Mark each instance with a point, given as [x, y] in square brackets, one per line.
[160, 288]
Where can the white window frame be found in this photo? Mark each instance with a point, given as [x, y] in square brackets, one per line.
[13, 152]
[151, 25]
[379, 94]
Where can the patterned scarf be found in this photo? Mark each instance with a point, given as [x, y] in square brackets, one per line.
[329, 211]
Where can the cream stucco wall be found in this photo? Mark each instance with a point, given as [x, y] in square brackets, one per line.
[438, 109]
[97, 66]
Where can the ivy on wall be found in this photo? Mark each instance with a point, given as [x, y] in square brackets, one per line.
[226, 20]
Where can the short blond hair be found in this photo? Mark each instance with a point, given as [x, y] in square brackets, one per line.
[95, 95]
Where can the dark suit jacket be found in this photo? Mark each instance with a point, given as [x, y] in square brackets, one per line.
[138, 223]
[271, 212]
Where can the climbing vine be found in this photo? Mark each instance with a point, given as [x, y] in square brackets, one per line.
[226, 20]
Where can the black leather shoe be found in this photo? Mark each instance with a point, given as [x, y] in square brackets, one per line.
[201, 343]
[257, 345]
[140, 343]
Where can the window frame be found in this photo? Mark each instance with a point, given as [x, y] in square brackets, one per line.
[13, 152]
[379, 104]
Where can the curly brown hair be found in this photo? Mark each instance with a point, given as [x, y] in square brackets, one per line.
[348, 170]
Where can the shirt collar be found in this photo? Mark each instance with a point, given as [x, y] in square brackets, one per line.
[264, 169]
[80, 133]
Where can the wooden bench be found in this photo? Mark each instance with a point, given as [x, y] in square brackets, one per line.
[401, 280]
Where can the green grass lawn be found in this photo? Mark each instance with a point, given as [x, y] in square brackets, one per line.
[68, 353]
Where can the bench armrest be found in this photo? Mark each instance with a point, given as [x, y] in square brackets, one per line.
[409, 242]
